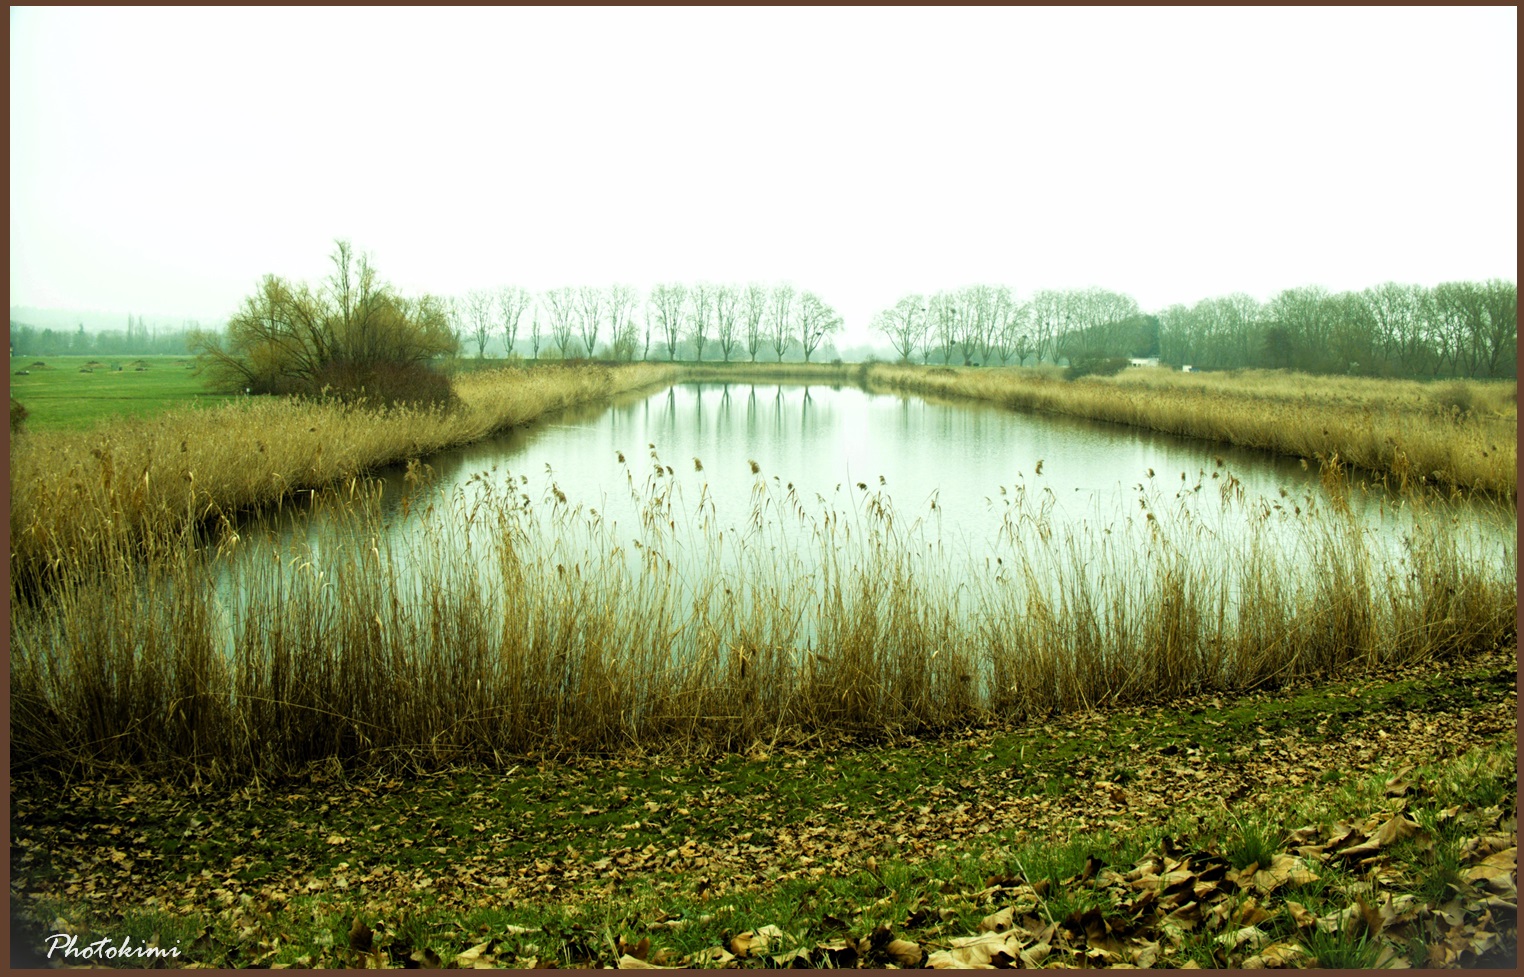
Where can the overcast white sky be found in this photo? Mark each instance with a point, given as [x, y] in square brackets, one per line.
[163, 160]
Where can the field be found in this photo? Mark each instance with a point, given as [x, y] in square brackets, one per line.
[470, 716]
[60, 397]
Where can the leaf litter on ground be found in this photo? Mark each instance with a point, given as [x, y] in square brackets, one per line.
[390, 857]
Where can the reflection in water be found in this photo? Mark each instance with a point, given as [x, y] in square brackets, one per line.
[956, 472]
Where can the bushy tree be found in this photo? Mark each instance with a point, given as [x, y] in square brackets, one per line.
[352, 337]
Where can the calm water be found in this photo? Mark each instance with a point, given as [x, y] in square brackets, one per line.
[952, 471]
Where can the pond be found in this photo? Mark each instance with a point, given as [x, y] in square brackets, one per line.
[966, 478]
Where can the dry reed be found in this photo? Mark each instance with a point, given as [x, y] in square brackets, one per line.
[505, 627]
[106, 498]
[1457, 436]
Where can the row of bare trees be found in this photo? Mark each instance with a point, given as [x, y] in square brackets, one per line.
[1465, 329]
[611, 321]
[983, 324]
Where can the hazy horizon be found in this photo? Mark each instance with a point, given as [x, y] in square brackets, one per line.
[159, 167]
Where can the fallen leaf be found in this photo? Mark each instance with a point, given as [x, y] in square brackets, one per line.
[359, 936]
[631, 962]
[1396, 828]
[1251, 935]
[470, 958]
[997, 921]
[904, 953]
[1283, 870]
[1276, 955]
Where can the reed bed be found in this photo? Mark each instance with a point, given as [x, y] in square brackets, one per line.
[501, 627]
[774, 372]
[1457, 435]
[104, 499]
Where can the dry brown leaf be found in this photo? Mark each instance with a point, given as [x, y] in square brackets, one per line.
[1251, 913]
[976, 952]
[1369, 918]
[1390, 959]
[1301, 915]
[468, 959]
[1452, 912]
[1143, 957]
[904, 952]
[1283, 870]
[1277, 955]
[1033, 956]
[717, 955]
[997, 921]
[631, 962]
[1396, 828]
[1251, 935]
[1495, 870]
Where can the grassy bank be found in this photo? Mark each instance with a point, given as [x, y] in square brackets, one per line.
[1351, 824]
[506, 626]
[127, 489]
[1455, 435]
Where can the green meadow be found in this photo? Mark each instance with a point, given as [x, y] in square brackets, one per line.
[74, 393]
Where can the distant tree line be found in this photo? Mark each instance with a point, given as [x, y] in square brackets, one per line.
[982, 325]
[354, 336]
[138, 339]
[1457, 329]
[724, 321]
[1467, 329]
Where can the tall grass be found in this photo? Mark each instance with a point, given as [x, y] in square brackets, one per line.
[774, 372]
[83, 502]
[1461, 435]
[504, 626]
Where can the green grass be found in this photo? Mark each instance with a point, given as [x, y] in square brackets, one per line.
[61, 398]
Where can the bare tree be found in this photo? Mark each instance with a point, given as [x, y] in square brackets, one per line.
[511, 303]
[621, 310]
[479, 314]
[780, 324]
[904, 325]
[726, 299]
[1017, 335]
[974, 320]
[536, 336]
[942, 315]
[1500, 304]
[816, 321]
[754, 308]
[590, 312]
[454, 315]
[1049, 319]
[998, 337]
[700, 297]
[563, 314]
[668, 301]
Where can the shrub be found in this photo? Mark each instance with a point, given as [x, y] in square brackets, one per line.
[386, 384]
[19, 414]
[1455, 397]
[1097, 366]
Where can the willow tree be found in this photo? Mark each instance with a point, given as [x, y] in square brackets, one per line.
[351, 336]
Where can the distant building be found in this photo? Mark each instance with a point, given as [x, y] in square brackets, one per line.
[1186, 368]
[1144, 361]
